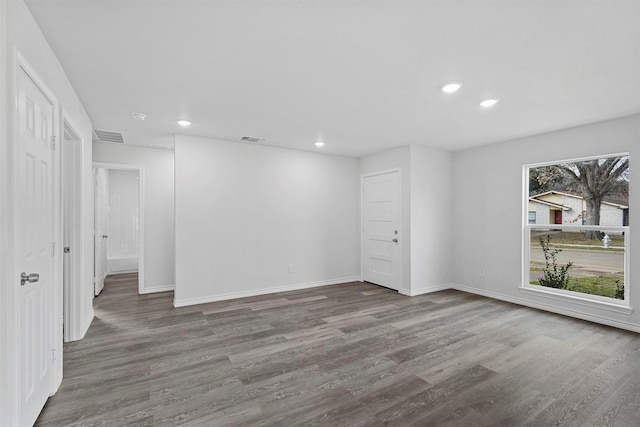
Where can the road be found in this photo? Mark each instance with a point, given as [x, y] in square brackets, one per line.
[604, 260]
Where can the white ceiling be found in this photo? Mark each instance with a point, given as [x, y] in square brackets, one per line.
[364, 76]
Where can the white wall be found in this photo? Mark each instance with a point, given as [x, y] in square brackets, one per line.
[244, 213]
[610, 215]
[426, 202]
[542, 212]
[488, 212]
[24, 34]
[7, 299]
[20, 31]
[574, 215]
[158, 195]
[431, 219]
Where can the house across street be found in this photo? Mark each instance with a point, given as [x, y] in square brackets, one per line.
[556, 207]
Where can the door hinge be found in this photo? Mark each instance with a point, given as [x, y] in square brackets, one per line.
[53, 142]
[53, 249]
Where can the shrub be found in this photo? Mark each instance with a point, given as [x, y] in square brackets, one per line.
[554, 275]
[619, 292]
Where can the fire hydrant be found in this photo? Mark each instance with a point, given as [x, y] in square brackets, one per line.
[606, 241]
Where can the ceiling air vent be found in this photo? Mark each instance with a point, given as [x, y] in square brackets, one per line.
[253, 139]
[109, 136]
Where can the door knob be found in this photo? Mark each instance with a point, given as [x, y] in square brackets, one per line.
[395, 240]
[31, 278]
[105, 236]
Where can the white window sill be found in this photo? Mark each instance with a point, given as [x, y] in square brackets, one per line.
[578, 298]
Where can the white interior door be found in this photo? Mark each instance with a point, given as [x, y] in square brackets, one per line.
[100, 229]
[36, 247]
[380, 229]
[71, 189]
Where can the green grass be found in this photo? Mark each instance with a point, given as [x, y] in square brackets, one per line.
[595, 285]
[573, 238]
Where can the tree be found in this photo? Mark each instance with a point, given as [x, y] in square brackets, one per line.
[596, 179]
[544, 178]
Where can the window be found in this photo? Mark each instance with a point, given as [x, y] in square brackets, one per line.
[584, 256]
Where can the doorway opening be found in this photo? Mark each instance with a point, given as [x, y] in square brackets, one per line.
[118, 222]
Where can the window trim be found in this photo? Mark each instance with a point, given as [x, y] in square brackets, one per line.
[579, 298]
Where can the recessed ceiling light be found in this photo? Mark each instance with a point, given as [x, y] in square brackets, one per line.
[489, 103]
[319, 143]
[184, 123]
[451, 87]
[139, 116]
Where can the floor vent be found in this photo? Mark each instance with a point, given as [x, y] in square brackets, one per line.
[253, 139]
[109, 136]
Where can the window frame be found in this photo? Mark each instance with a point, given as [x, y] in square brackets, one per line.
[595, 301]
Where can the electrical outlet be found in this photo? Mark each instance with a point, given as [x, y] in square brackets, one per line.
[291, 269]
[482, 272]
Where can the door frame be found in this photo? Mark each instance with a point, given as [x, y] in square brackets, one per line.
[72, 228]
[400, 223]
[8, 294]
[140, 169]
[10, 332]
[100, 230]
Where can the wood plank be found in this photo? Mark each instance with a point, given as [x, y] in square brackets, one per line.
[352, 354]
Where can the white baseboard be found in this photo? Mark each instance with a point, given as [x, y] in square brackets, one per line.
[57, 381]
[263, 291]
[155, 289]
[87, 324]
[549, 307]
[424, 290]
[115, 273]
[123, 264]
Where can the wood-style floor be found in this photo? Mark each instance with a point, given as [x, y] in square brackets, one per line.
[345, 355]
